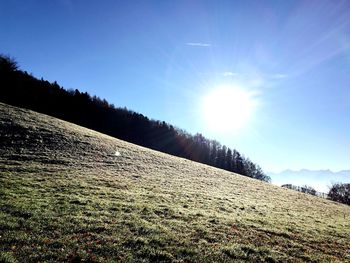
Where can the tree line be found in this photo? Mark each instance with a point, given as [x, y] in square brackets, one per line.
[304, 189]
[21, 89]
[338, 192]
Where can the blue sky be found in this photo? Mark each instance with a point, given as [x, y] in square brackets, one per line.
[160, 58]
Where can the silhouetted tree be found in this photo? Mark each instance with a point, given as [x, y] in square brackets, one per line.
[228, 160]
[308, 190]
[214, 148]
[7, 64]
[221, 158]
[340, 192]
[238, 166]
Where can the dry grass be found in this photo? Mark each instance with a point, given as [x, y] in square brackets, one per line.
[66, 196]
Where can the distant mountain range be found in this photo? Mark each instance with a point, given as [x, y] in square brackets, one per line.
[321, 180]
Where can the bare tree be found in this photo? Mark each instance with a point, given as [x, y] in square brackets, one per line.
[7, 64]
[340, 192]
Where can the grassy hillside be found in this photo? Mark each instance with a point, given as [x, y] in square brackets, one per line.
[71, 194]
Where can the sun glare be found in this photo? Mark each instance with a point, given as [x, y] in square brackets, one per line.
[227, 108]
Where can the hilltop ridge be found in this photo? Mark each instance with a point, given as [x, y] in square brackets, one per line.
[72, 194]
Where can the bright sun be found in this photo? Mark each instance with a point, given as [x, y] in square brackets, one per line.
[227, 108]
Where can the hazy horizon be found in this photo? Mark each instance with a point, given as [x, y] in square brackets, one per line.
[320, 180]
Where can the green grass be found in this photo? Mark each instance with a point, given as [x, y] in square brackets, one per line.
[65, 196]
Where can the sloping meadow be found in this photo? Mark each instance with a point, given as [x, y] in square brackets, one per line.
[71, 194]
